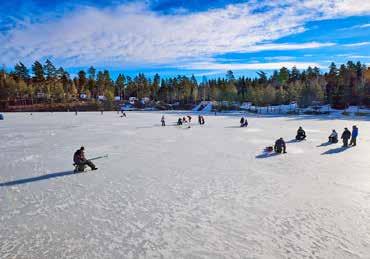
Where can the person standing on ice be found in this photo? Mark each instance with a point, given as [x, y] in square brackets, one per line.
[346, 135]
[242, 122]
[163, 121]
[80, 160]
[333, 138]
[354, 136]
[280, 146]
[200, 119]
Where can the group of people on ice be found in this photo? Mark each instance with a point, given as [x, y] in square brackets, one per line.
[347, 136]
[184, 120]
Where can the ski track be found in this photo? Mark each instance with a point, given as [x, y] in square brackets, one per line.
[173, 192]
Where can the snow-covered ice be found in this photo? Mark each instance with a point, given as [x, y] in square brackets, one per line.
[170, 192]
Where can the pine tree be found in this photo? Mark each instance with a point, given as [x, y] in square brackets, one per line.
[50, 70]
[21, 72]
[38, 71]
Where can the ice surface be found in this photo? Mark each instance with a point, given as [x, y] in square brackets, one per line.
[174, 192]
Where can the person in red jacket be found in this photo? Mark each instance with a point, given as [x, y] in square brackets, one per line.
[80, 160]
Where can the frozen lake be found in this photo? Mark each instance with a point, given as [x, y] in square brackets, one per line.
[170, 192]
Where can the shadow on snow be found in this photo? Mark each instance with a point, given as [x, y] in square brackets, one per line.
[335, 150]
[36, 178]
[325, 144]
[267, 155]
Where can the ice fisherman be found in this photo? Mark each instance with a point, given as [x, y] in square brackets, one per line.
[80, 160]
[179, 122]
[280, 146]
[301, 134]
[245, 122]
[202, 120]
[346, 135]
[333, 138]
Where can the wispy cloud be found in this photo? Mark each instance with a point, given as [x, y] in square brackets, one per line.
[359, 26]
[249, 66]
[359, 44]
[288, 46]
[132, 34]
[280, 58]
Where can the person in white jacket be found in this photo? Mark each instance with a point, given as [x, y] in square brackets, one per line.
[333, 138]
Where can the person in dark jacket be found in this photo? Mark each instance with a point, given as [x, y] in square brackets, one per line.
[200, 119]
[280, 146]
[301, 134]
[163, 121]
[346, 135]
[245, 122]
[354, 136]
[179, 122]
[80, 160]
[242, 122]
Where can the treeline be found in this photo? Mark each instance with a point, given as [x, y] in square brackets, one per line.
[348, 84]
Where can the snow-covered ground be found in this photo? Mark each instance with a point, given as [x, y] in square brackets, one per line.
[170, 192]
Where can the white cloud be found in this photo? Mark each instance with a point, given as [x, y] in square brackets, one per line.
[359, 26]
[248, 66]
[359, 44]
[280, 58]
[132, 34]
[288, 46]
[359, 56]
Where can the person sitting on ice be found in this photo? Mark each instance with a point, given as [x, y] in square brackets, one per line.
[245, 122]
[301, 134]
[333, 138]
[280, 146]
[80, 160]
[163, 121]
[179, 122]
[346, 135]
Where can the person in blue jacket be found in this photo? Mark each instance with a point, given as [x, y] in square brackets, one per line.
[354, 136]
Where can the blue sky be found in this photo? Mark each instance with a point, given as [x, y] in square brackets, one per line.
[185, 37]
